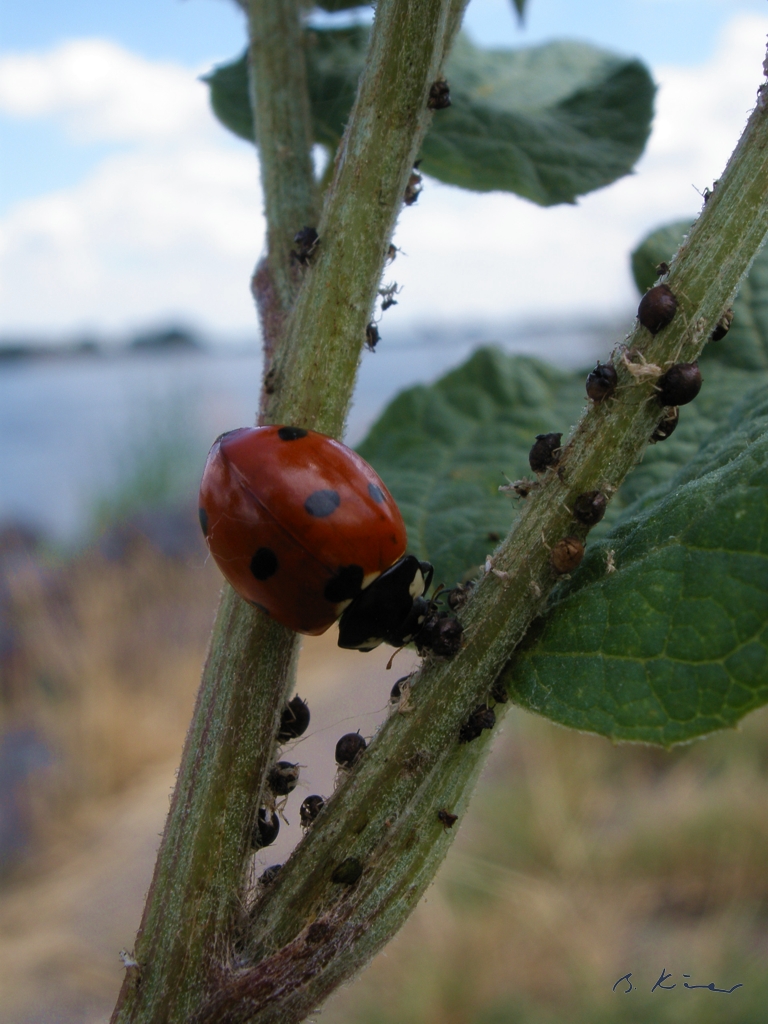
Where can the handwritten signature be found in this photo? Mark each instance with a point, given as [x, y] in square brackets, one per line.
[665, 977]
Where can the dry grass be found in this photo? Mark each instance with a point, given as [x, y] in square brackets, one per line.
[580, 862]
[110, 661]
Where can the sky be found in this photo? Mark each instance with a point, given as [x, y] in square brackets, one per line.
[123, 203]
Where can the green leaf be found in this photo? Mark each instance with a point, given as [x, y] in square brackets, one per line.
[548, 123]
[746, 344]
[443, 451]
[674, 643]
[658, 247]
[335, 60]
[228, 91]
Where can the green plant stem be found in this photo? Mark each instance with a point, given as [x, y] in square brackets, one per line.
[280, 104]
[308, 932]
[194, 901]
[314, 371]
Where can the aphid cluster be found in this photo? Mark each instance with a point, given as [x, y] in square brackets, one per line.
[310, 809]
[439, 95]
[481, 718]
[372, 336]
[294, 720]
[666, 425]
[306, 242]
[413, 188]
[265, 830]
[388, 294]
[545, 452]
[349, 749]
[657, 308]
[282, 778]
[680, 384]
[722, 326]
[589, 508]
[567, 555]
[601, 382]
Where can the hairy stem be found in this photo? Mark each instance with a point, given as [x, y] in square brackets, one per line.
[314, 372]
[194, 903]
[311, 929]
[280, 104]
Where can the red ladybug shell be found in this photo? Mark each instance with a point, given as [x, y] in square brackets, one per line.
[297, 522]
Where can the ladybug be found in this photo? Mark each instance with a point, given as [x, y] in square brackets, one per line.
[303, 528]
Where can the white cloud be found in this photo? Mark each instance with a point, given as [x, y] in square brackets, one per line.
[103, 92]
[173, 226]
[170, 228]
[142, 239]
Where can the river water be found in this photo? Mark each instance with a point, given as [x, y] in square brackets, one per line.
[69, 427]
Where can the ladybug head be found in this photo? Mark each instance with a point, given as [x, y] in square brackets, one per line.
[393, 610]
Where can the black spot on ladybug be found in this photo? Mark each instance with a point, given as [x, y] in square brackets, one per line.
[666, 425]
[349, 748]
[601, 382]
[439, 95]
[481, 718]
[446, 819]
[589, 508]
[291, 433]
[322, 503]
[376, 493]
[545, 452]
[345, 584]
[268, 876]
[265, 830]
[348, 872]
[657, 308]
[310, 809]
[282, 778]
[202, 515]
[264, 564]
[680, 384]
[294, 720]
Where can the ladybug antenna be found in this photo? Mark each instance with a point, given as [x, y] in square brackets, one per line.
[397, 651]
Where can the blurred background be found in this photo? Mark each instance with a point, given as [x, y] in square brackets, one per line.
[130, 222]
